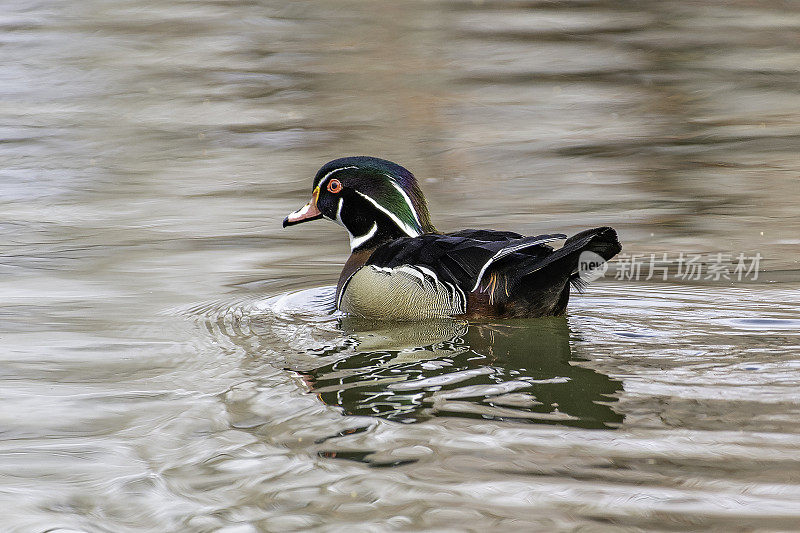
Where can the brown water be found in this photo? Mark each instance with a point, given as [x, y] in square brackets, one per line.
[170, 361]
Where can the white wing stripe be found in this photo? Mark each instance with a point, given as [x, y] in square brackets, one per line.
[510, 250]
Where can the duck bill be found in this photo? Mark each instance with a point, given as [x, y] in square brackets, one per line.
[305, 213]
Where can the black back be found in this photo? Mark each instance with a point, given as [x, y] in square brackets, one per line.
[458, 257]
[531, 281]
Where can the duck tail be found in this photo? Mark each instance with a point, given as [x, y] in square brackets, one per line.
[545, 284]
[601, 241]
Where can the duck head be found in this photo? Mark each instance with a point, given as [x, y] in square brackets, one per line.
[373, 199]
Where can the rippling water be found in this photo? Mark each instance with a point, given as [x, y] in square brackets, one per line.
[171, 361]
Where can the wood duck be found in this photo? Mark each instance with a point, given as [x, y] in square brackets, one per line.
[402, 268]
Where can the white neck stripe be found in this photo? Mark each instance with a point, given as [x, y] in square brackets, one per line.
[339, 212]
[405, 197]
[411, 232]
[355, 242]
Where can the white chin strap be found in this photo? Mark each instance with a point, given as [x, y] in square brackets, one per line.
[355, 242]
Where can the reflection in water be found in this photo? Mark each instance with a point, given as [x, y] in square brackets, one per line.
[518, 370]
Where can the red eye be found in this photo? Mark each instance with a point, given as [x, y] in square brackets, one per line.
[334, 186]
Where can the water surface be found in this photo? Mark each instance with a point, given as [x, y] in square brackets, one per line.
[170, 360]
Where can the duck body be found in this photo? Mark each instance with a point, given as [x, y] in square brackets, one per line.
[401, 268]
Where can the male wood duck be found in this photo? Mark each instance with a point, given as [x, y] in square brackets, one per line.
[402, 268]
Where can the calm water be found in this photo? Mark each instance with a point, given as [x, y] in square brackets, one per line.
[170, 361]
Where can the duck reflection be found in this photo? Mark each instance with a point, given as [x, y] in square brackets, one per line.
[520, 370]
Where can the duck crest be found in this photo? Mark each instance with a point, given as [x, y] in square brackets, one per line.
[390, 189]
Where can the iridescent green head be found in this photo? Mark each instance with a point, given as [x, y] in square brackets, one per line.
[374, 199]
